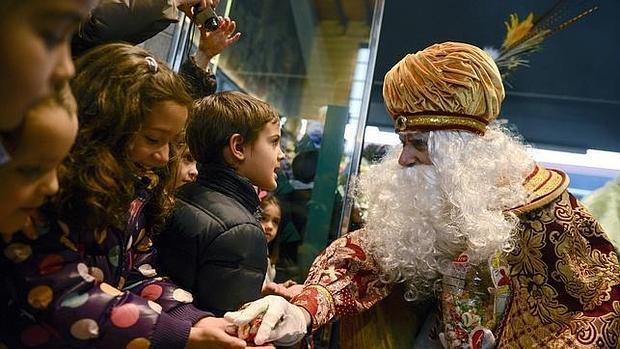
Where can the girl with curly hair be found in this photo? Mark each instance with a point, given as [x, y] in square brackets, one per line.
[86, 278]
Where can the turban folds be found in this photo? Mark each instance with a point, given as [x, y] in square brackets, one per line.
[445, 86]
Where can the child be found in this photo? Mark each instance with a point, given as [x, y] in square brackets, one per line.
[186, 171]
[271, 216]
[38, 147]
[214, 237]
[87, 279]
[35, 54]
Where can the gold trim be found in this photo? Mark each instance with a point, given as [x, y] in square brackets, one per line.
[536, 179]
[322, 290]
[543, 187]
[404, 123]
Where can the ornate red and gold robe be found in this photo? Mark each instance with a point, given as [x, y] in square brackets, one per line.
[563, 279]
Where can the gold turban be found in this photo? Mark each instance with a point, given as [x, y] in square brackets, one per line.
[447, 86]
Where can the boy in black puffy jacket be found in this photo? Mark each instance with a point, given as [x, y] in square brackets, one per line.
[213, 244]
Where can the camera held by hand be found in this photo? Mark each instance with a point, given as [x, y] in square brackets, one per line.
[206, 18]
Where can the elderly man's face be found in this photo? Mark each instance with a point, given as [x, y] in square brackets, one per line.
[415, 149]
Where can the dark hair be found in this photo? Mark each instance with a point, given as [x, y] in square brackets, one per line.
[12, 5]
[274, 245]
[217, 117]
[304, 166]
[116, 88]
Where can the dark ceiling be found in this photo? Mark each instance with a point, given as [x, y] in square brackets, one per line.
[569, 96]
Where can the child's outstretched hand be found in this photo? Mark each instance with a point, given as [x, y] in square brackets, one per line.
[288, 289]
[217, 333]
[278, 321]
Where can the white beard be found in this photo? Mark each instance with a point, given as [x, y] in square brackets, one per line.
[420, 218]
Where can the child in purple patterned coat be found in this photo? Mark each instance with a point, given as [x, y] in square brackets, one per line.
[84, 276]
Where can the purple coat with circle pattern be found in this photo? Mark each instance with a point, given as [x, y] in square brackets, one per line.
[66, 288]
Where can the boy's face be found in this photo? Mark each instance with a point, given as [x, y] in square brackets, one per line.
[270, 221]
[151, 145]
[34, 41]
[263, 157]
[31, 177]
[187, 171]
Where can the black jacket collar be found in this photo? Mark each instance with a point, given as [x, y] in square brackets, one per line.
[225, 180]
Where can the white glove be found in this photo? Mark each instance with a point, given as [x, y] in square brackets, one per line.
[283, 323]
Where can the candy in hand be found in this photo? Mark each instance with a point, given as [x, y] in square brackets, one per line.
[248, 331]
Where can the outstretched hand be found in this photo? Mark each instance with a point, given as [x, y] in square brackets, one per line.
[216, 333]
[287, 289]
[213, 43]
[282, 323]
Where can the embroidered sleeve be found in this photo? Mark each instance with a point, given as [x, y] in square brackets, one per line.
[566, 278]
[343, 280]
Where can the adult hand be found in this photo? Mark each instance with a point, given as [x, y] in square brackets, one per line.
[187, 5]
[213, 43]
[283, 323]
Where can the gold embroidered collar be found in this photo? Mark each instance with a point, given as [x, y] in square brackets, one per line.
[543, 186]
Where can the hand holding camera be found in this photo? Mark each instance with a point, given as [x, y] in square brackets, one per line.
[213, 43]
[206, 18]
[201, 4]
[201, 12]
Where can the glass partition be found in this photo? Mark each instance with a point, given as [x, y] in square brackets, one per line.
[167, 45]
[312, 60]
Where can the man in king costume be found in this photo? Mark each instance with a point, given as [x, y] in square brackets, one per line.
[461, 213]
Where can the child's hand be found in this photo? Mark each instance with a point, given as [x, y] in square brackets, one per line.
[282, 323]
[288, 283]
[293, 291]
[270, 288]
[287, 289]
[214, 333]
